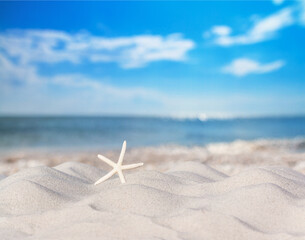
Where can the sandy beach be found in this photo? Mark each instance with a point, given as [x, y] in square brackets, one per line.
[238, 190]
[152, 120]
[230, 157]
[189, 201]
[218, 179]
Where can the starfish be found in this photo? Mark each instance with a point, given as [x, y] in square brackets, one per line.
[117, 167]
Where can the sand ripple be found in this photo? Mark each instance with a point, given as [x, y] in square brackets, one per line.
[190, 201]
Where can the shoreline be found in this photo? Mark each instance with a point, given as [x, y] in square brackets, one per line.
[230, 157]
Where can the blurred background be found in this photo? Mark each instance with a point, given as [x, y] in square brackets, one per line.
[220, 82]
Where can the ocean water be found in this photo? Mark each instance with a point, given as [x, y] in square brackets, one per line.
[109, 132]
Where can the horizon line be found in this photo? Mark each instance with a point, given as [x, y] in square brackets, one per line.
[200, 117]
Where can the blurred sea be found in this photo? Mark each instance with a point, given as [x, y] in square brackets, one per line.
[85, 133]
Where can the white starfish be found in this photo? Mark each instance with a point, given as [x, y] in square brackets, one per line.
[117, 167]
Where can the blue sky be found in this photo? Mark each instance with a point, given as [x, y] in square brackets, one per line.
[208, 58]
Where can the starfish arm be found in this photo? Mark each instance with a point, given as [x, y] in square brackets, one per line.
[122, 153]
[106, 160]
[122, 178]
[108, 175]
[130, 166]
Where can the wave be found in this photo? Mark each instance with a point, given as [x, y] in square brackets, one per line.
[215, 117]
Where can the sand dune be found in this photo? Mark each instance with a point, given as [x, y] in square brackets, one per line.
[190, 201]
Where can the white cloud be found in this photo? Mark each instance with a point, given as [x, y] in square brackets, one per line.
[51, 46]
[27, 75]
[221, 30]
[301, 11]
[79, 94]
[244, 66]
[278, 2]
[262, 30]
[16, 73]
[25, 91]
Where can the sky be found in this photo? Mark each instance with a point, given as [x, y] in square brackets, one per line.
[184, 59]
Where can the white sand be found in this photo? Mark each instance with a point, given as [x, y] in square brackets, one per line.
[191, 201]
[230, 158]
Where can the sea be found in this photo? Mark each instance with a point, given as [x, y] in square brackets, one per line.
[85, 133]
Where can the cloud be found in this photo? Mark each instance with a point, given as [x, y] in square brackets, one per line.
[51, 46]
[25, 91]
[278, 2]
[66, 94]
[12, 74]
[221, 30]
[301, 11]
[244, 66]
[262, 30]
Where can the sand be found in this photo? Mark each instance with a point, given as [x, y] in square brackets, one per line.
[230, 158]
[189, 201]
